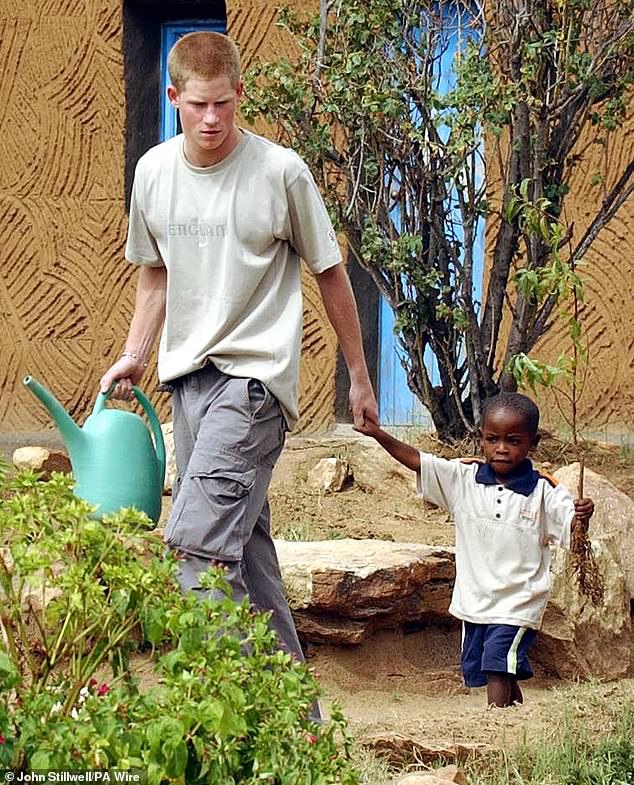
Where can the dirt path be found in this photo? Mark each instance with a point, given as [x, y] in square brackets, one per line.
[411, 685]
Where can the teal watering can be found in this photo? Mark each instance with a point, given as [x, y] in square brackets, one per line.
[115, 461]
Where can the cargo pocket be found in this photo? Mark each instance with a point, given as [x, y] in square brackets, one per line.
[209, 517]
[265, 439]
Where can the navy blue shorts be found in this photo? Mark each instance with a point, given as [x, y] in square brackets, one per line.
[499, 648]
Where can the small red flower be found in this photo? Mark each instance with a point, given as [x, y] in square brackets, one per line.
[312, 738]
[2, 739]
[92, 683]
[103, 689]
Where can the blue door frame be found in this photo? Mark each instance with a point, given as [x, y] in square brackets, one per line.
[170, 33]
[397, 404]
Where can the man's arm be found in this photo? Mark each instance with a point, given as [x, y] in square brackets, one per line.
[146, 323]
[341, 308]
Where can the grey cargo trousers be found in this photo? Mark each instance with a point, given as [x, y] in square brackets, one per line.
[228, 434]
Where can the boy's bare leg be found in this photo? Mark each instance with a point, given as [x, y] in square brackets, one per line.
[516, 693]
[499, 689]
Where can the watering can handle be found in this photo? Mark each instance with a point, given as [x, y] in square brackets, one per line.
[159, 443]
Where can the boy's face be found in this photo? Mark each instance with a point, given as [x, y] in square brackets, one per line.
[506, 440]
[207, 110]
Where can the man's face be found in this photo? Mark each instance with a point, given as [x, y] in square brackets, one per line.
[505, 440]
[207, 110]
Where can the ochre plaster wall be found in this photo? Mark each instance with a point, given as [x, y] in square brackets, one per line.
[607, 398]
[65, 292]
[606, 404]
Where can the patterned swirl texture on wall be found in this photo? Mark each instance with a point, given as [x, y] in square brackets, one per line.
[607, 272]
[63, 294]
[66, 294]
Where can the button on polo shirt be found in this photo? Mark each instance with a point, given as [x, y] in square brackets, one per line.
[502, 537]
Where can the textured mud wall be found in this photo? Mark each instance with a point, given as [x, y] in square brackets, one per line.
[607, 399]
[65, 293]
[61, 219]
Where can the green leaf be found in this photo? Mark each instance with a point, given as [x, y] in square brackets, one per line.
[40, 760]
[9, 674]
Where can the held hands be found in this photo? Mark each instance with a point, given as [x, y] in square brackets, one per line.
[368, 428]
[365, 411]
[584, 508]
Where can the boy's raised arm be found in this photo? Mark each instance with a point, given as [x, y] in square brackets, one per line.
[404, 453]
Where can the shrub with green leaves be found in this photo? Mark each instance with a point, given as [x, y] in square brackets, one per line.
[82, 599]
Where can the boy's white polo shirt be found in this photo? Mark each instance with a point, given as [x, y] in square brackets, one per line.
[503, 537]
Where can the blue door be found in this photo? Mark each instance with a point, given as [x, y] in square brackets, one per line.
[397, 404]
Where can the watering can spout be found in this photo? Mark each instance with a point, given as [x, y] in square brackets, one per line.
[71, 432]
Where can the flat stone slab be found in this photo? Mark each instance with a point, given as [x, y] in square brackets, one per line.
[341, 591]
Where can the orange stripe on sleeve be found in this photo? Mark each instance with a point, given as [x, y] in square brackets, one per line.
[549, 478]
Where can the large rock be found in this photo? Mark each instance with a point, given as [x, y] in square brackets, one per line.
[613, 514]
[340, 591]
[579, 639]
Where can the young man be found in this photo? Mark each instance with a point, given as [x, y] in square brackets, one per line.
[506, 515]
[218, 222]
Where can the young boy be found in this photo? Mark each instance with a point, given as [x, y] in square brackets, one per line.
[506, 515]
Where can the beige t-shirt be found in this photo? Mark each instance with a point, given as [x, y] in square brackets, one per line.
[231, 236]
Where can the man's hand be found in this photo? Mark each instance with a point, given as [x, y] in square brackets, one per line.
[125, 373]
[363, 406]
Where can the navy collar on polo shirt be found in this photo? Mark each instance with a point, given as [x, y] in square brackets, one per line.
[523, 480]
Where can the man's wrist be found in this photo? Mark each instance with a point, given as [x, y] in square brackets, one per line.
[358, 371]
[136, 357]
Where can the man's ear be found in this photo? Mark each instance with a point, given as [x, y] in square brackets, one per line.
[172, 96]
[535, 441]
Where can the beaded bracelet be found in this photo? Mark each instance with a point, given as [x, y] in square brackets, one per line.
[134, 356]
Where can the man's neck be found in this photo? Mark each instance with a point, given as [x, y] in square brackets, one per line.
[204, 158]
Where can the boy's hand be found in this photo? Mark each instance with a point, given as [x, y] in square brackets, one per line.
[368, 428]
[584, 509]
